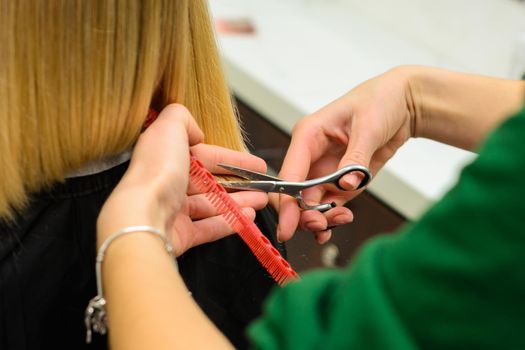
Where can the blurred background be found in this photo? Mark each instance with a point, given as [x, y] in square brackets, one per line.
[287, 58]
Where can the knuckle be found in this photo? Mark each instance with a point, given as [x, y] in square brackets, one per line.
[358, 157]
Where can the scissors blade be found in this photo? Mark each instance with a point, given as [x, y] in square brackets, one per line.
[264, 186]
[249, 174]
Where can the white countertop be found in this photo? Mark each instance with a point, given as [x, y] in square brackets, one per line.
[305, 53]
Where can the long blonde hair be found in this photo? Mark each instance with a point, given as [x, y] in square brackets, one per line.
[77, 79]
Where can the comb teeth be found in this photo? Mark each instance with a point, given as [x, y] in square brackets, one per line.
[262, 249]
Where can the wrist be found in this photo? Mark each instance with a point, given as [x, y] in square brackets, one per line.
[138, 243]
[424, 97]
[129, 206]
[455, 108]
[433, 110]
[413, 89]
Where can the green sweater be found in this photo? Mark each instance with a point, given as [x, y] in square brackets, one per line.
[453, 280]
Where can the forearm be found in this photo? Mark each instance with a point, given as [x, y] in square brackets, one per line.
[148, 304]
[456, 108]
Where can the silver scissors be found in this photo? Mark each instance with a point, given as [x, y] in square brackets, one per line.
[256, 181]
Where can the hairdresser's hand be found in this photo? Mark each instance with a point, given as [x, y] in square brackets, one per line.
[153, 189]
[366, 127]
[199, 221]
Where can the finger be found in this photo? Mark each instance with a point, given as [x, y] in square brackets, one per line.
[273, 200]
[323, 236]
[289, 215]
[325, 193]
[361, 147]
[315, 221]
[314, 195]
[211, 155]
[200, 207]
[298, 159]
[339, 216]
[296, 166]
[214, 228]
[339, 198]
[173, 120]
[177, 112]
[162, 150]
[167, 139]
[310, 145]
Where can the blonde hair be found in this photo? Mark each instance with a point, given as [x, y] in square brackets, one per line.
[77, 79]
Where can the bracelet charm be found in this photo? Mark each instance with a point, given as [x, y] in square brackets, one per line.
[95, 317]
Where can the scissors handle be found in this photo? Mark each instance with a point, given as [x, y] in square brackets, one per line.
[295, 188]
[337, 175]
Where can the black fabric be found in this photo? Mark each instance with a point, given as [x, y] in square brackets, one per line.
[47, 260]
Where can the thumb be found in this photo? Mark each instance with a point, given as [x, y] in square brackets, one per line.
[360, 150]
[164, 144]
[174, 115]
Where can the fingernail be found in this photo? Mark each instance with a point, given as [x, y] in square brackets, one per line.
[323, 239]
[314, 226]
[279, 235]
[351, 181]
[342, 219]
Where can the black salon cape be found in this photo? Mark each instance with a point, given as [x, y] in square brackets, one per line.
[47, 270]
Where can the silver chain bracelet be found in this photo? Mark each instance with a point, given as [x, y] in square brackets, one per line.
[95, 317]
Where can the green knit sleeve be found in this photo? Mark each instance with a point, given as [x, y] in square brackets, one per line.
[453, 280]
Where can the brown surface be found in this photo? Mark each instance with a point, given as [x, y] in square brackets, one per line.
[371, 216]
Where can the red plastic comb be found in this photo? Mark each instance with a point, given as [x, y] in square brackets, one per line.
[268, 256]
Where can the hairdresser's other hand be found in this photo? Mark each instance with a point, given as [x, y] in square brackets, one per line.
[366, 127]
[153, 189]
[199, 221]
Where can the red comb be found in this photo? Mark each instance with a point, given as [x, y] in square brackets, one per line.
[268, 256]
